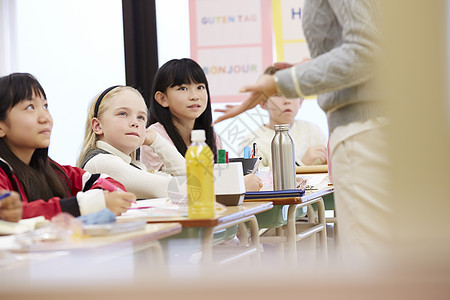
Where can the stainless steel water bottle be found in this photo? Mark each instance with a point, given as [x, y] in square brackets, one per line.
[283, 159]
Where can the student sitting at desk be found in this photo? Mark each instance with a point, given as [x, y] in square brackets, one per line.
[115, 129]
[309, 140]
[181, 103]
[45, 187]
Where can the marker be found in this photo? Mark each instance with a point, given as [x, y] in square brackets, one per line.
[247, 152]
[221, 156]
[108, 185]
[254, 150]
[5, 195]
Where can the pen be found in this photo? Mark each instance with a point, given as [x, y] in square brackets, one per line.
[5, 195]
[107, 185]
[255, 168]
[141, 207]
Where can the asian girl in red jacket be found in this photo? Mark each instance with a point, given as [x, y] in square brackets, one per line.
[45, 187]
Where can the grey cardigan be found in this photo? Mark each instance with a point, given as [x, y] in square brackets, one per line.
[343, 37]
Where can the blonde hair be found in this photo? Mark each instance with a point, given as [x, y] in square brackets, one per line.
[90, 138]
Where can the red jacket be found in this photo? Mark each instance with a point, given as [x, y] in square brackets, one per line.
[50, 207]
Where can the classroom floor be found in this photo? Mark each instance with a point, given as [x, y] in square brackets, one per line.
[308, 250]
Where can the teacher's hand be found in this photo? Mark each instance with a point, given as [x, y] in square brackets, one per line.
[259, 92]
[285, 65]
[225, 110]
[282, 65]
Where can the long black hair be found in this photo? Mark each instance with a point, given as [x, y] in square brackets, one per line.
[42, 178]
[173, 73]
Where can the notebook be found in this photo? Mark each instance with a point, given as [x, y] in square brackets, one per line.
[274, 194]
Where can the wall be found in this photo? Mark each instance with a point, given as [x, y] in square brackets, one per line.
[75, 49]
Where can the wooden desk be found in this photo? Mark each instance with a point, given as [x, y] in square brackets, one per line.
[305, 229]
[311, 169]
[151, 232]
[96, 253]
[234, 215]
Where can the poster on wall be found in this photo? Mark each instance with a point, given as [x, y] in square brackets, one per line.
[290, 42]
[289, 38]
[232, 41]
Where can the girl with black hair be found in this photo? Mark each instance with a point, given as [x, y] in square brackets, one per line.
[180, 104]
[45, 187]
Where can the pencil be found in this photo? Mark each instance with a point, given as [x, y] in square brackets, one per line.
[5, 195]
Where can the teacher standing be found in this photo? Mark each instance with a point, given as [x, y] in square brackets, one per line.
[344, 38]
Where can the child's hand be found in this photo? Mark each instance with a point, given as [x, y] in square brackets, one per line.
[11, 207]
[252, 183]
[118, 202]
[150, 136]
[315, 154]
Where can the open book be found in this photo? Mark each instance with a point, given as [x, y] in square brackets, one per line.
[158, 207]
[315, 181]
[21, 226]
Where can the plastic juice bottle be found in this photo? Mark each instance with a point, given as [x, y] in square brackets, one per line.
[200, 178]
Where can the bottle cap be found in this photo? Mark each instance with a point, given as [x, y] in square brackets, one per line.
[281, 127]
[198, 135]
